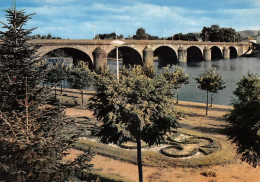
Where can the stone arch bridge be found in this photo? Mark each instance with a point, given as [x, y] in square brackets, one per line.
[144, 52]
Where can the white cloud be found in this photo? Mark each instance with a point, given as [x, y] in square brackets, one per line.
[74, 20]
[56, 12]
[240, 19]
[257, 3]
[54, 1]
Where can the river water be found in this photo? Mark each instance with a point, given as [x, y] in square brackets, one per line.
[231, 70]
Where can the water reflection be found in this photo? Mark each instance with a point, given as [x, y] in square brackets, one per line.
[231, 69]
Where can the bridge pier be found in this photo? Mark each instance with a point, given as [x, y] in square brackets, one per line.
[100, 58]
[148, 56]
[226, 53]
[182, 54]
[207, 53]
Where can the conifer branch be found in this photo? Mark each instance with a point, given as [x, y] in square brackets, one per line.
[11, 128]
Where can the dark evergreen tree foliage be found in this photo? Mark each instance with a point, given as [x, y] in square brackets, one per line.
[139, 106]
[34, 136]
[210, 81]
[256, 50]
[109, 36]
[142, 35]
[217, 34]
[18, 60]
[180, 36]
[244, 119]
[49, 36]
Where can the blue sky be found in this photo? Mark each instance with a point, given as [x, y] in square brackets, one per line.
[75, 19]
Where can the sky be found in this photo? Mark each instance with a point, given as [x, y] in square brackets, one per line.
[76, 19]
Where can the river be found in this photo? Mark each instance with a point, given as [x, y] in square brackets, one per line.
[231, 70]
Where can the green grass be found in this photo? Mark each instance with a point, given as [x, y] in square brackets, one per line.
[225, 154]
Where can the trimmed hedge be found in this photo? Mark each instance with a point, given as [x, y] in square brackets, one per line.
[165, 152]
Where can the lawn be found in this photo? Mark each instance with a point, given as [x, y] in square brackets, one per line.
[221, 165]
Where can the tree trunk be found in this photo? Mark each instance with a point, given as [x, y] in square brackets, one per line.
[61, 88]
[207, 102]
[177, 98]
[211, 101]
[55, 93]
[82, 100]
[139, 157]
[27, 107]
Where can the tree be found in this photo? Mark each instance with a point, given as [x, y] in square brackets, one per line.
[137, 106]
[256, 50]
[79, 77]
[210, 81]
[34, 135]
[106, 36]
[49, 36]
[43, 37]
[140, 34]
[217, 34]
[57, 53]
[180, 36]
[55, 75]
[244, 119]
[152, 37]
[177, 77]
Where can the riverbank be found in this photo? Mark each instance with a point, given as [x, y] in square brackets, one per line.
[196, 121]
[255, 51]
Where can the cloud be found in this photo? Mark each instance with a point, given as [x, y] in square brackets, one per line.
[240, 19]
[56, 12]
[75, 18]
[54, 1]
[128, 18]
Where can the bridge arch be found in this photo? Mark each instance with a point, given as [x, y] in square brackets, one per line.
[194, 53]
[129, 55]
[233, 52]
[76, 54]
[216, 53]
[166, 56]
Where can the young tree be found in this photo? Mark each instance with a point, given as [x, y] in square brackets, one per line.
[34, 136]
[177, 77]
[55, 75]
[210, 81]
[137, 106]
[244, 119]
[79, 77]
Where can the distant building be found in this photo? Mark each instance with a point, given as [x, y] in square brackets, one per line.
[200, 39]
[250, 39]
[258, 38]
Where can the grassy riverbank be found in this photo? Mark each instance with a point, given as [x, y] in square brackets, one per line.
[120, 164]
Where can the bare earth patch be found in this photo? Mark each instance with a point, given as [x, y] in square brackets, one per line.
[195, 120]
